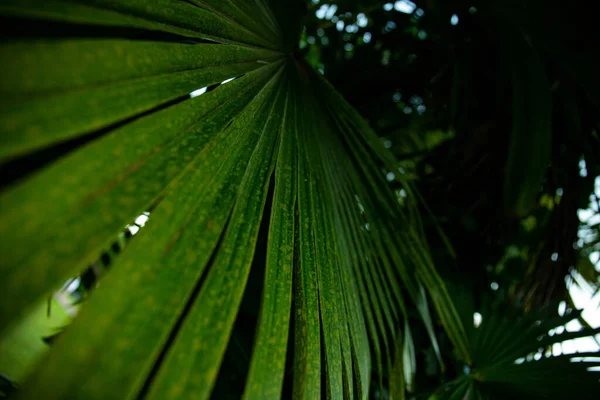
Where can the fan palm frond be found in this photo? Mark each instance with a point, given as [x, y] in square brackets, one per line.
[134, 103]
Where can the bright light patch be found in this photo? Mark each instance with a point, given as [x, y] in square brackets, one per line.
[584, 298]
[585, 214]
[477, 318]
[367, 37]
[322, 11]
[494, 285]
[331, 11]
[595, 258]
[352, 28]
[141, 220]
[388, 6]
[227, 80]
[73, 285]
[198, 92]
[390, 176]
[580, 359]
[556, 349]
[339, 26]
[133, 229]
[582, 168]
[454, 19]
[554, 257]
[405, 6]
[362, 20]
[562, 307]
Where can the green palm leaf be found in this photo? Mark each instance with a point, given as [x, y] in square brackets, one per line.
[341, 251]
[512, 356]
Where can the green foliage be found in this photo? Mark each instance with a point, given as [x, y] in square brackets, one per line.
[272, 177]
[159, 324]
[24, 344]
[512, 356]
[531, 139]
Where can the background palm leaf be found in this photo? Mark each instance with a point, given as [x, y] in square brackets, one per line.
[512, 354]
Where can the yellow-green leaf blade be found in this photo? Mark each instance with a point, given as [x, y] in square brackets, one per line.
[265, 376]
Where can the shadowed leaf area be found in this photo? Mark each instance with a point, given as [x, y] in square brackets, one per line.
[266, 199]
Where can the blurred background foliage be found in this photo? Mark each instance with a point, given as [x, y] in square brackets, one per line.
[491, 108]
[445, 85]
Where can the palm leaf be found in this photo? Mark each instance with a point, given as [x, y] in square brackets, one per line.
[531, 137]
[512, 356]
[340, 249]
